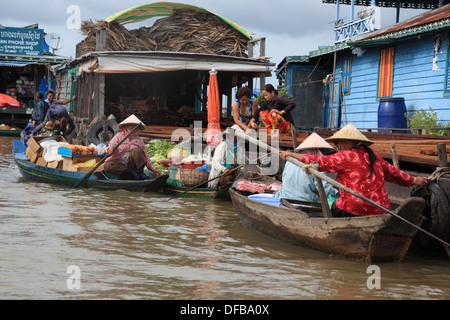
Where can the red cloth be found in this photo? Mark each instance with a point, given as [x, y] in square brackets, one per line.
[352, 170]
[273, 120]
[213, 130]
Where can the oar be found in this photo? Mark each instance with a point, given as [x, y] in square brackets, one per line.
[7, 161]
[79, 183]
[338, 185]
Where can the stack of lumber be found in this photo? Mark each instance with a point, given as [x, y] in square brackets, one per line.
[412, 148]
[118, 38]
[183, 31]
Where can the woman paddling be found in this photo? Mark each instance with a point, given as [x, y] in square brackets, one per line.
[130, 158]
[360, 169]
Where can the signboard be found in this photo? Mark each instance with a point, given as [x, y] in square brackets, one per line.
[22, 41]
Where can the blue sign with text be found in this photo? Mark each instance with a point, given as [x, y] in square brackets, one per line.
[22, 41]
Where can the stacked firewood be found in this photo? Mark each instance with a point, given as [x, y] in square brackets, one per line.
[118, 38]
[183, 31]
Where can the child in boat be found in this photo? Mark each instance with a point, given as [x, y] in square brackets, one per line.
[360, 169]
[130, 158]
[297, 184]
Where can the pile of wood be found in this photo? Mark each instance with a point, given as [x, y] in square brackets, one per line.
[118, 38]
[183, 31]
[411, 148]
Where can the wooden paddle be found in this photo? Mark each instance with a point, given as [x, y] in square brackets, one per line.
[338, 185]
[79, 183]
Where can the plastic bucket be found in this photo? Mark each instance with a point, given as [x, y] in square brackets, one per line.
[392, 114]
[173, 172]
[193, 165]
[265, 198]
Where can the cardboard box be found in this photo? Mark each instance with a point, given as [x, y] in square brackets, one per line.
[57, 164]
[35, 147]
[70, 164]
[31, 155]
[41, 162]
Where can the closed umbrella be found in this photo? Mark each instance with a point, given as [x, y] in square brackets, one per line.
[214, 136]
[9, 102]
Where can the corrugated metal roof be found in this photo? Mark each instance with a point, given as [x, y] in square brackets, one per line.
[330, 49]
[411, 4]
[429, 21]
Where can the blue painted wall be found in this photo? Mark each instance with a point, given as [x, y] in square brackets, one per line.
[414, 80]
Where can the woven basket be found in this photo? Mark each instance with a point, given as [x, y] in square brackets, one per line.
[192, 178]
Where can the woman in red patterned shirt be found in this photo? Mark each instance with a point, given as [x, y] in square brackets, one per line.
[360, 169]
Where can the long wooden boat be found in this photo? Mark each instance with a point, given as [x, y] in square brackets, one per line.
[376, 238]
[35, 172]
[174, 188]
[10, 132]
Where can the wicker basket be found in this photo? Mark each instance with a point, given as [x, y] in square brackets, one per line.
[192, 178]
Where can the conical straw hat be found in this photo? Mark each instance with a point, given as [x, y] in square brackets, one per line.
[314, 141]
[349, 132]
[131, 120]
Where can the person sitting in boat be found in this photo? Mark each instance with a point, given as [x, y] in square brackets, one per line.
[360, 169]
[244, 109]
[228, 154]
[130, 158]
[275, 112]
[297, 184]
[59, 116]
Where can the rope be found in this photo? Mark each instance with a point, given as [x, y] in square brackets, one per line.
[438, 173]
[314, 165]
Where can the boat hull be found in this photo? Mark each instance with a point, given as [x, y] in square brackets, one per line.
[31, 171]
[376, 238]
[202, 193]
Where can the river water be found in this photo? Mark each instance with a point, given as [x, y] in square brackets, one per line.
[62, 243]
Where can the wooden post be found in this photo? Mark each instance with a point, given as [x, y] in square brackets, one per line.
[442, 154]
[394, 156]
[323, 199]
[294, 136]
[100, 45]
[262, 53]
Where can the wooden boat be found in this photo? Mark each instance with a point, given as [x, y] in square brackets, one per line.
[35, 172]
[376, 238]
[173, 187]
[10, 132]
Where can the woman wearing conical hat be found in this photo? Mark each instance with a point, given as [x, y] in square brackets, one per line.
[130, 158]
[297, 184]
[360, 169]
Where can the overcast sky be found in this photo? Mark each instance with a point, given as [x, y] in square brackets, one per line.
[291, 27]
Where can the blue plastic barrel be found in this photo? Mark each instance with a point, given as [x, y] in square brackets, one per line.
[392, 114]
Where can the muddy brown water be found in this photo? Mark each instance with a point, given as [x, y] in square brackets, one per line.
[63, 243]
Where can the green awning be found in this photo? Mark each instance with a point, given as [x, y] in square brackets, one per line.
[157, 9]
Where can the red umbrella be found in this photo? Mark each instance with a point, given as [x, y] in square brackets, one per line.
[8, 102]
[213, 131]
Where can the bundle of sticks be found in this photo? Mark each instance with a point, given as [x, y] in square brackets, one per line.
[183, 31]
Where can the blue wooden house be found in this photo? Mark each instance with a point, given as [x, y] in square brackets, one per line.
[346, 82]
